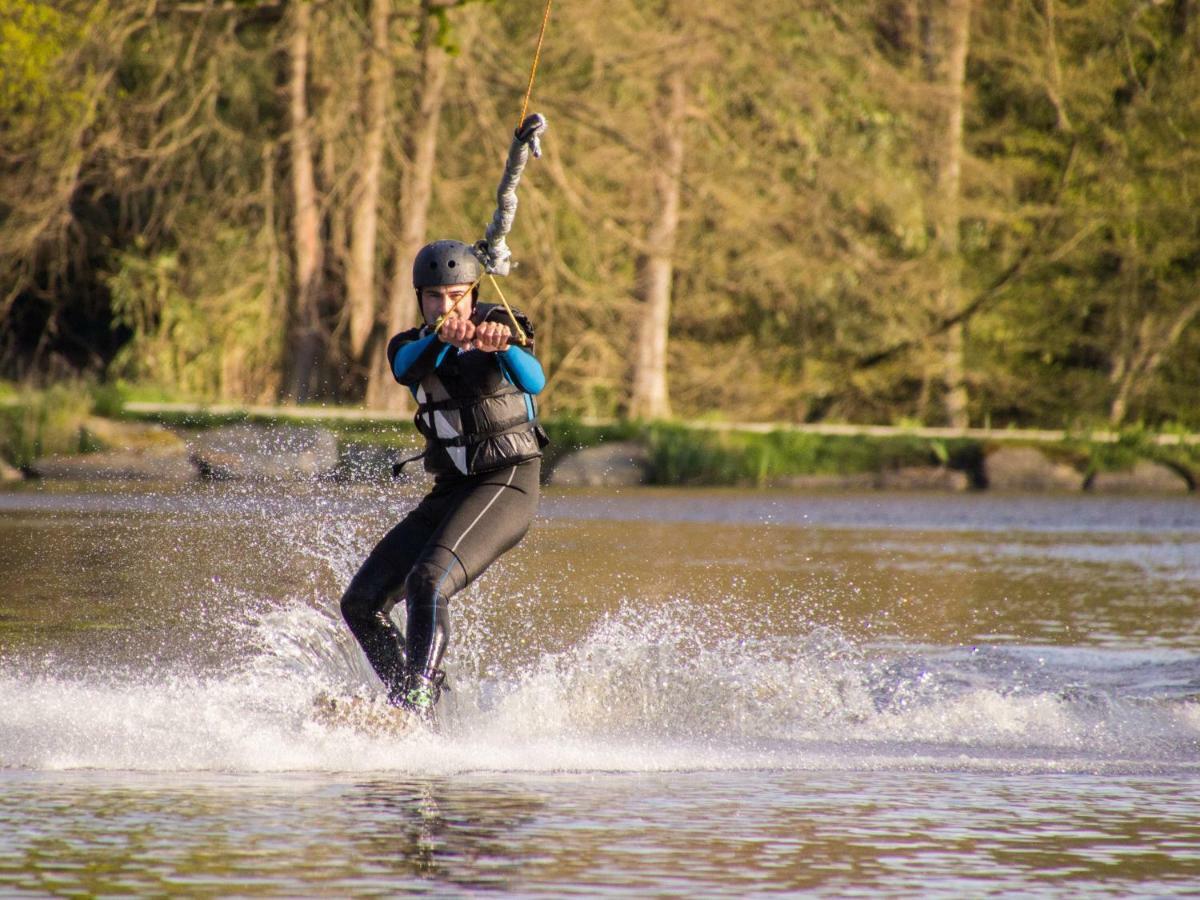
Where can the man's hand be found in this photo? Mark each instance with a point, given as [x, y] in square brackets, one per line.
[458, 332]
[492, 337]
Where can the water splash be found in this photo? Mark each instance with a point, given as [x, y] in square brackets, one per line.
[642, 692]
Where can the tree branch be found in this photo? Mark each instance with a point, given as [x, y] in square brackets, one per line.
[980, 300]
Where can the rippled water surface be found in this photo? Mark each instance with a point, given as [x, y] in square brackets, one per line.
[658, 692]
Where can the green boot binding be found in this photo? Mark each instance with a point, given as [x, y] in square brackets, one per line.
[421, 692]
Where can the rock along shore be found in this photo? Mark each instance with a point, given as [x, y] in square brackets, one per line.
[149, 451]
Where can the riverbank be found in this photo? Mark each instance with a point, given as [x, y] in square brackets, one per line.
[66, 432]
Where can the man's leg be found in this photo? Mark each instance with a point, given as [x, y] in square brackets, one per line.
[376, 587]
[489, 515]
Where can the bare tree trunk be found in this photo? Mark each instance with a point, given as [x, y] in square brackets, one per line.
[1125, 356]
[1143, 355]
[360, 279]
[1181, 14]
[304, 327]
[1119, 407]
[265, 392]
[897, 22]
[1054, 86]
[649, 399]
[948, 36]
[417, 193]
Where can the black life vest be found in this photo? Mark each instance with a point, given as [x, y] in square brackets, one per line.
[472, 418]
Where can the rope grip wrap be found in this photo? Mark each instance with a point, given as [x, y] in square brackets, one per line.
[493, 250]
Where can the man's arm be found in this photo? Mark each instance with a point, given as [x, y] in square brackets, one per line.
[518, 363]
[412, 355]
[523, 369]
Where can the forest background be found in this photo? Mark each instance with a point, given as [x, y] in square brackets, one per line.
[884, 211]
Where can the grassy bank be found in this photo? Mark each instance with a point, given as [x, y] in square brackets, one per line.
[680, 454]
[36, 423]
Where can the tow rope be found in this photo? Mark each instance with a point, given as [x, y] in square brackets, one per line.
[537, 55]
[493, 251]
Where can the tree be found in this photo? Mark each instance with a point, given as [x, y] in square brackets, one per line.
[855, 212]
[1150, 242]
[1091, 106]
[60, 62]
[419, 143]
[307, 247]
[361, 293]
[946, 29]
[656, 266]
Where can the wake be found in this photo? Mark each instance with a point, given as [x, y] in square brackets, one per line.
[639, 693]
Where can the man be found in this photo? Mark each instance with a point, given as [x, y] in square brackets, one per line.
[474, 388]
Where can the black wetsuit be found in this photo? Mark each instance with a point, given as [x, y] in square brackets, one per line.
[483, 445]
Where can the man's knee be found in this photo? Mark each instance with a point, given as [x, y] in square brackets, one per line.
[425, 584]
[358, 606]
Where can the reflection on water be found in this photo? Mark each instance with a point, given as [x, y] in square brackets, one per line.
[715, 833]
[658, 692]
[335, 834]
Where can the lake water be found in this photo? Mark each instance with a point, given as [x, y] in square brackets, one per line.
[669, 693]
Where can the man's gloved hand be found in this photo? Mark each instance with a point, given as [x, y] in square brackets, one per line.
[530, 132]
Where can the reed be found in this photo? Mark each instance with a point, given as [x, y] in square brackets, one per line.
[40, 422]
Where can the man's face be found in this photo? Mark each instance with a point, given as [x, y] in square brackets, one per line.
[437, 301]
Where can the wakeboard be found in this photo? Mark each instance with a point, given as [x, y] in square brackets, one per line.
[372, 716]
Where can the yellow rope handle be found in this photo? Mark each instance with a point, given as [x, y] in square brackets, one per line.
[522, 339]
[537, 55]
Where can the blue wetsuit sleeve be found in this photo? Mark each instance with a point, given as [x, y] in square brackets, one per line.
[413, 360]
[522, 369]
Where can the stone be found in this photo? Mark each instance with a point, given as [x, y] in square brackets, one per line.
[264, 452]
[924, 478]
[1027, 469]
[114, 434]
[162, 464]
[621, 463]
[908, 478]
[9, 473]
[856, 481]
[131, 451]
[1145, 477]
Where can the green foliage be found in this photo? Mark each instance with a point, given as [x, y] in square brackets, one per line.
[568, 434]
[145, 181]
[108, 400]
[1133, 445]
[205, 320]
[35, 423]
[34, 37]
[1096, 150]
[1119, 455]
[688, 456]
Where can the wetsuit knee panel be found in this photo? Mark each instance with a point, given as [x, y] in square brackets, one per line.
[430, 582]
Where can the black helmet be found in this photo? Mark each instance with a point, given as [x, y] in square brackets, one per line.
[446, 262]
